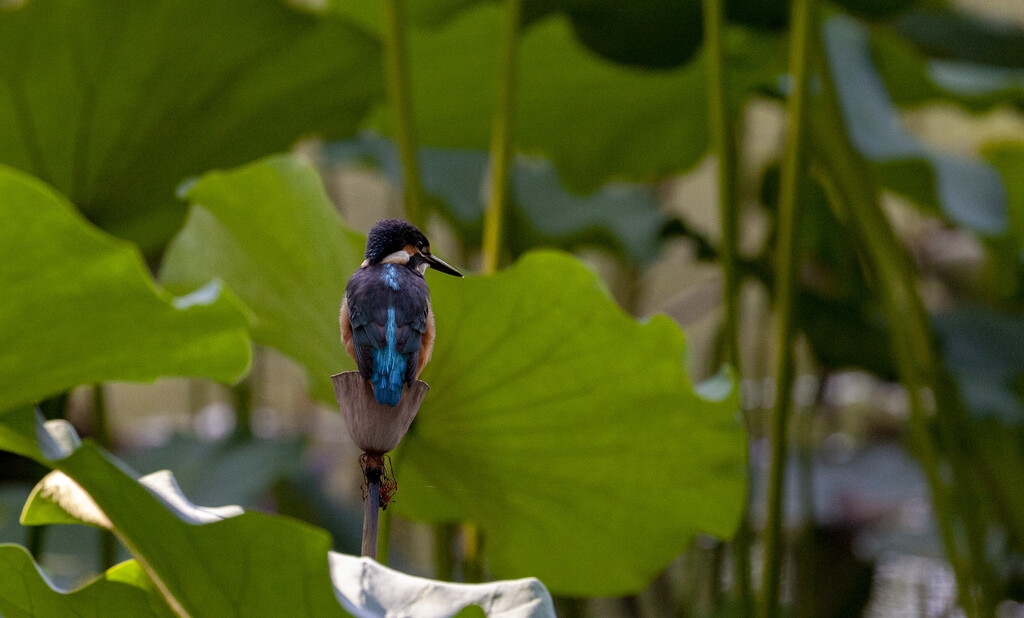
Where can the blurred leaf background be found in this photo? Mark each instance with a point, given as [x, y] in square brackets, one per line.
[825, 197]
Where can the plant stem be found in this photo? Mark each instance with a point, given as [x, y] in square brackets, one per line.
[723, 140]
[399, 89]
[101, 430]
[793, 168]
[501, 137]
[916, 356]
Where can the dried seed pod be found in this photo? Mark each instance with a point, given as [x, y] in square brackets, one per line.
[375, 428]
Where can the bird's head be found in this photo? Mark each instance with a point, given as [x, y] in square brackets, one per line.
[400, 242]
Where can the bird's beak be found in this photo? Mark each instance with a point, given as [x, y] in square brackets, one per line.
[438, 264]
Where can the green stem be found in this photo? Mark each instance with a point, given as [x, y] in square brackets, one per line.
[916, 355]
[101, 431]
[396, 61]
[723, 140]
[793, 168]
[501, 137]
[806, 578]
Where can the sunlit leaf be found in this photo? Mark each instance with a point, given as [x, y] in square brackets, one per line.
[80, 307]
[567, 430]
[968, 192]
[269, 232]
[114, 102]
[219, 561]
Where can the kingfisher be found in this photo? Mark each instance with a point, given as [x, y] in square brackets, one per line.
[387, 323]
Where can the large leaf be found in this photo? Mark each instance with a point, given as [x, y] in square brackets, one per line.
[259, 257]
[114, 102]
[596, 120]
[625, 218]
[545, 400]
[968, 192]
[219, 561]
[124, 589]
[648, 33]
[559, 424]
[80, 307]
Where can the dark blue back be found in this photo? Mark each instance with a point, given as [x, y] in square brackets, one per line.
[387, 308]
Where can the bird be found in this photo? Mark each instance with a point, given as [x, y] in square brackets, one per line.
[387, 323]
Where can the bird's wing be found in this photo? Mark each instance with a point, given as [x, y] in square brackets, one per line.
[363, 302]
[411, 311]
[368, 300]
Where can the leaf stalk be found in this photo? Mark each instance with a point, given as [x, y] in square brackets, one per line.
[793, 171]
[502, 137]
[917, 357]
[399, 90]
[724, 143]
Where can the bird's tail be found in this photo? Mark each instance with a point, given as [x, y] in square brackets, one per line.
[387, 394]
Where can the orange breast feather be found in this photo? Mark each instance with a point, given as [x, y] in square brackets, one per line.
[426, 342]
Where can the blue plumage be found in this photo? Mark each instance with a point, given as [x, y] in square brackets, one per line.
[390, 277]
[389, 366]
[386, 322]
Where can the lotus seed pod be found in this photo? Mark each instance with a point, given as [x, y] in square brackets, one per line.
[374, 427]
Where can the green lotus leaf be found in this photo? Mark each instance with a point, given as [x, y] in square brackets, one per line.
[641, 124]
[555, 421]
[290, 275]
[222, 562]
[80, 306]
[124, 590]
[563, 426]
[114, 102]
